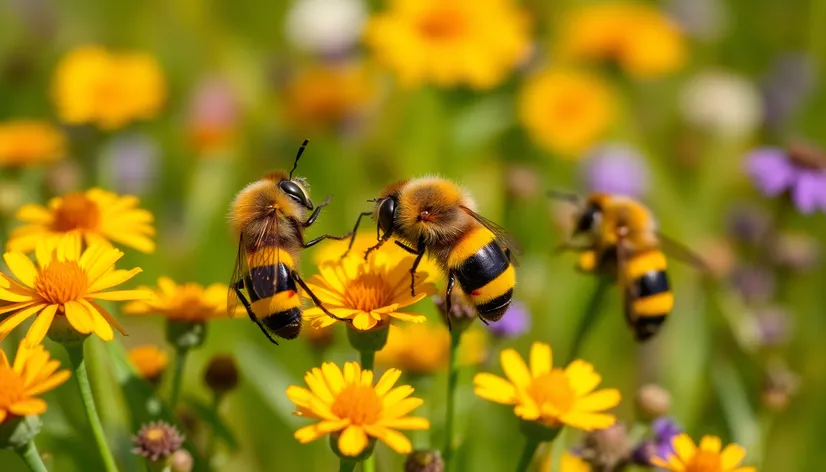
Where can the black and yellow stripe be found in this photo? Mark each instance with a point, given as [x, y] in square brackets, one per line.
[273, 295]
[650, 298]
[484, 273]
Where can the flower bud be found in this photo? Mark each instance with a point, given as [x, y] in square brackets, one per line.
[149, 361]
[370, 340]
[461, 313]
[365, 454]
[157, 441]
[608, 448]
[653, 401]
[221, 374]
[16, 431]
[424, 461]
[181, 461]
[185, 334]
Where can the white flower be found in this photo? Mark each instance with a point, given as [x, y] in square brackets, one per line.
[325, 26]
[722, 103]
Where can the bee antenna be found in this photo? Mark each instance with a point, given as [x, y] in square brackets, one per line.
[373, 200]
[569, 197]
[298, 156]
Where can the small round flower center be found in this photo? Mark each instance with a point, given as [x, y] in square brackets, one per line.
[442, 24]
[367, 292]
[359, 403]
[154, 434]
[76, 212]
[11, 385]
[553, 388]
[61, 282]
[705, 461]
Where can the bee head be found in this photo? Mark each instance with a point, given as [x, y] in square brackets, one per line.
[588, 220]
[296, 189]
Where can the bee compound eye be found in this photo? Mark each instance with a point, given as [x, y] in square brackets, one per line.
[294, 191]
[587, 220]
[387, 213]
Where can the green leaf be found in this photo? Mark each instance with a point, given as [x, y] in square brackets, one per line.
[740, 415]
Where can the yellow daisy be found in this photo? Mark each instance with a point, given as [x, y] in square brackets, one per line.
[572, 463]
[566, 111]
[99, 216]
[189, 302]
[29, 142]
[32, 374]
[552, 397]
[459, 42]
[425, 348]
[368, 292]
[93, 85]
[705, 458]
[639, 37]
[149, 361]
[63, 288]
[354, 410]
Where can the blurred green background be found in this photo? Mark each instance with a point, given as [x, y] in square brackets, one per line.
[716, 375]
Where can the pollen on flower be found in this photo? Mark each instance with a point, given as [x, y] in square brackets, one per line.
[442, 24]
[367, 292]
[553, 388]
[76, 211]
[359, 403]
[61, 282]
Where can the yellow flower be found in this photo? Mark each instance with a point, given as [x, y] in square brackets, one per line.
[149, 361]
[28, 142]
[93, 85]
[326, 95]
[63, 288]
[572, 463]
[706, 458]
[368, 292]
[188, 302]
[458, 42]
[425, 348]
[566, 111]
[552, 397]
[639, 37]
[352, 408]
[99, 216]
[32, 374]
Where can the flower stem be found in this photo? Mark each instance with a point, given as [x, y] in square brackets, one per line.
[587, 320]
[452, 381]
[213, 437]
[367, 360]
[178, 375]
[527, 454]
[346, 466]
[31, 457]
[76, 356]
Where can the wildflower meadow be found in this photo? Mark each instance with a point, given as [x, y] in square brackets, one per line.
[412, 235]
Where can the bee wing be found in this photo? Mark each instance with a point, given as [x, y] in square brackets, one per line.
[236, 281]
[503, 238]
[682, 253]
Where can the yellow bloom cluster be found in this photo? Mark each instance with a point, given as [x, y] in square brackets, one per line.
[29, 142]
[461, 42]
[637, 36]
[32, 374]
[93, 85]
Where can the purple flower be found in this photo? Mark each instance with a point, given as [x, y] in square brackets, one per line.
[515, 322]
[665, 430]
[616, 169]
[775, 171]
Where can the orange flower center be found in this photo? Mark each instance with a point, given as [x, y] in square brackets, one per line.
[154, 434]
[442, 24]
[705, 461]
[553, 389]
[189, 304]
[11, 386]
[76, 212]
[360, 403]
[367, 292]
[569, 108]
[61, 282]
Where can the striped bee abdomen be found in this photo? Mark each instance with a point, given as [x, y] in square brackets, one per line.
[274, 299]
[484, 272]
[650, 296]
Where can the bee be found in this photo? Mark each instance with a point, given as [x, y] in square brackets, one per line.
[437, 217]
[270, 216]
[618, 237]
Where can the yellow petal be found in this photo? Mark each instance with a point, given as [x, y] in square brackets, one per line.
[318, 386]
[582, 376]
[121, 295]
[106, 315]
[41, 325]
[352, 373]
[113, 278]
[48, 384]
[396, 395]
[402, 408]
[308, 434]
[684, 447]
[299, 395]
[664, 465]
[410, 422]
[13, 321]
[598, 401]
[363, 321]
[22, 267]
[394, 439]
[14, 292]
[32, 213]
[515, 368]
[78, 317]
[588, 421]
[387, 380]
[352, 441]
[100, 326]
[541, 359]
[29, 406]
[494, 388]
[732, 455]
[710, 444]
[333, 377]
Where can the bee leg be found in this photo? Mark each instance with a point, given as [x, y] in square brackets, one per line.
[353, 233]
[317, 240]
[451, 279]
[564, 247]
[248, 307]
[407, 248]
[315, 213]
[419, 254]
[381, 242]
[315, 299]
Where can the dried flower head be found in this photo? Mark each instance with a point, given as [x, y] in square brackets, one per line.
[157, 440]
[424, 461]
[608, 448]
[221, 374]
